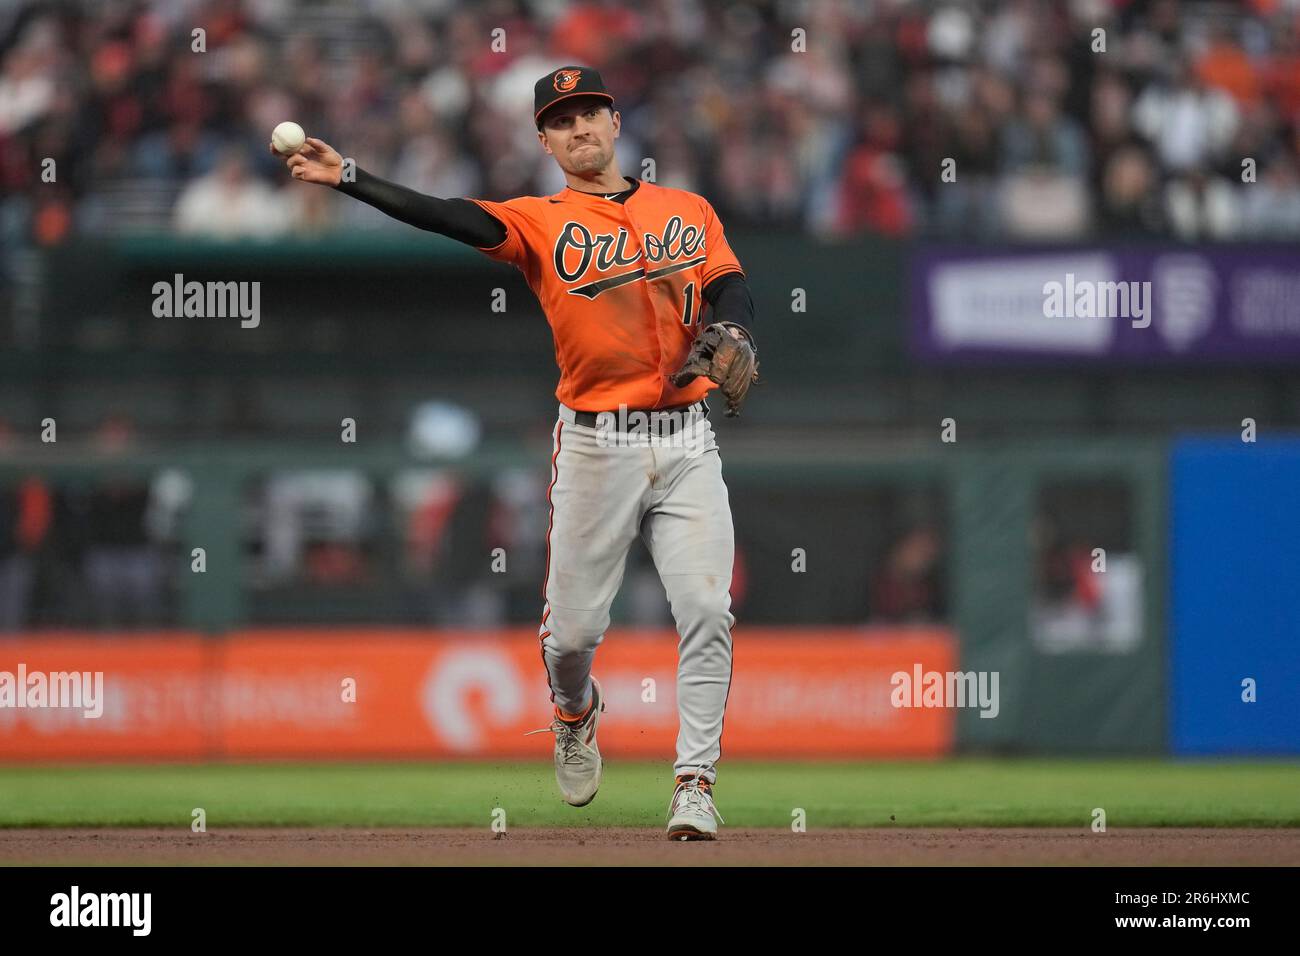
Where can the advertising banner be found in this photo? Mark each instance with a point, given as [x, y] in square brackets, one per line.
[1139, 304]
[402, 694]
[79, 697]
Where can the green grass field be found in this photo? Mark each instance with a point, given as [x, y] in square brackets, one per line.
[959, 792]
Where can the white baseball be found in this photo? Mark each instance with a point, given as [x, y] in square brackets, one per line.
[287, 138]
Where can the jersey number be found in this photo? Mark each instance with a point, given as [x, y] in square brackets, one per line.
[688, 311]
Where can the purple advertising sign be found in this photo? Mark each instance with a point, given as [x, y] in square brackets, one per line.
[1236, 304]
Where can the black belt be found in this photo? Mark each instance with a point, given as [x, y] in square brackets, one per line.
[653, 419]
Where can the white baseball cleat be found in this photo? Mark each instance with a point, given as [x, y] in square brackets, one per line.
[577, 758]
[691, 813]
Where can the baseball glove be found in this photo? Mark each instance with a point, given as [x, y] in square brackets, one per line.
[730, 362]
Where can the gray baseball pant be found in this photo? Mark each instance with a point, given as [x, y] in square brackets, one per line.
[607, 488]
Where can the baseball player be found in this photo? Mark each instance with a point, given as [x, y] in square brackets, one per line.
[649, 310]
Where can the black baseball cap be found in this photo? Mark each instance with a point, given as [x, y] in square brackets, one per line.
[564, 84]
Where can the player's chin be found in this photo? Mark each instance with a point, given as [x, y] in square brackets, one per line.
[589, 160]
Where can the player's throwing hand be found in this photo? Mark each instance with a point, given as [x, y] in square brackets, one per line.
[315, 162]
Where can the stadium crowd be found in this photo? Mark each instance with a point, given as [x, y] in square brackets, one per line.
[834, 117]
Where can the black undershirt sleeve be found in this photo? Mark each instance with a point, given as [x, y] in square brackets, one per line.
[457, 219]
[728, 295]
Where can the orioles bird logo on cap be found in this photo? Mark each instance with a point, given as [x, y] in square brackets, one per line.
[566, 80]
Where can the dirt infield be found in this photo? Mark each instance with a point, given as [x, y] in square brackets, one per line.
[623, 846]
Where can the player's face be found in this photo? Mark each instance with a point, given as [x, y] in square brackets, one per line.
[580, 135]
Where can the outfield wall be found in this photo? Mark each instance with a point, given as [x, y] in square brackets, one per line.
[1137, 684]
[284, 694]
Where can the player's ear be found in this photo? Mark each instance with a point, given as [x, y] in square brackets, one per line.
[616, 118]
[541, 138]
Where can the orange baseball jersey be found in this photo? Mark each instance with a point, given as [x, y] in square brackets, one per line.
[620, 283]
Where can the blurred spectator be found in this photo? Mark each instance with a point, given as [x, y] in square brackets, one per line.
[1189, 124]
[518, 523]
[966, 207]
[182, 151]
[227, 203]
[872, 192]
[1109, 108]
[1201, 205]
[467, 596]
[123, 568]
[1130, 195]
[1043, 161]
[1042, 139]
[28, 84]
[1271, 208]
[1073, 607]
[25, 515]
[313, 524]
[1043, 205]
[1225, 66]
[909, 587]
[15, 568]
